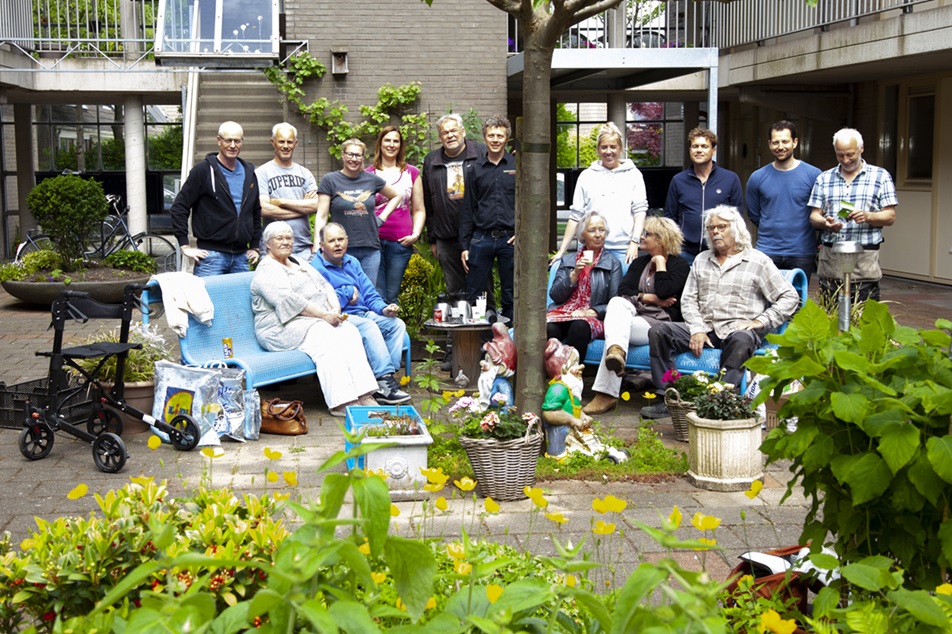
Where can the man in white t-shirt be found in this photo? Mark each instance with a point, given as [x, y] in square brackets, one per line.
[288, 191]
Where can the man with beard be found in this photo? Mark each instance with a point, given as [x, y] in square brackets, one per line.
[852, 202]
[734, 295]
[701, 186]
[777, 196]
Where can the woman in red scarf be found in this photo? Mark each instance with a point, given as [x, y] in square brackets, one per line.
[584, 283]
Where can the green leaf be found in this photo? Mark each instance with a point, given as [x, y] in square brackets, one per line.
[824, 561]
[640, 584]
[819, 452]
[924, 478]
[373, 499]
[851, 361]
[315, 611]
[939, 451]
[413, 567]
[945, 538]
[898, 445]
[851, 408]
[352, 617]
[922, 606]
[876, 424]
[866, 576]
[827, 600]
[868, 478]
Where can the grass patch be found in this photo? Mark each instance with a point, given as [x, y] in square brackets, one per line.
[650, 459]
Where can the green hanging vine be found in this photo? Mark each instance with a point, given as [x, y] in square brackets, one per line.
[392, 101]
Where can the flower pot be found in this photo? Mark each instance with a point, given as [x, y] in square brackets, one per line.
[402, 460]
[678, 409]
[43, 293]
[724, 455]
[503, 468]
[140, 395]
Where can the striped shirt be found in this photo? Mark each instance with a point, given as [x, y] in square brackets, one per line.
[871, 190]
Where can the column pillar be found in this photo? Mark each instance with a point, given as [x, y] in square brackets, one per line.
[134, 132]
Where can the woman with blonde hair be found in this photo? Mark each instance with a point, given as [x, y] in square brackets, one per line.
[648, 294]
[614, 187]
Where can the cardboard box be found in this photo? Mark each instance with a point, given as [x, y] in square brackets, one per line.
[773, 405]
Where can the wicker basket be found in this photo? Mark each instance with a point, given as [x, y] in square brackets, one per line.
[503, 468]
[678, 410]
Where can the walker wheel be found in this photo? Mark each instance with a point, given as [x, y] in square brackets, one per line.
[104, 420]
[185, 437]
[36, 441]
[109, 453]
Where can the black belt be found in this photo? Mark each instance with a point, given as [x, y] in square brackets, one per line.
[871, 247]
[497, 233]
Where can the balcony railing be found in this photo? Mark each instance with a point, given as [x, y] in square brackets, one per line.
[709, 23]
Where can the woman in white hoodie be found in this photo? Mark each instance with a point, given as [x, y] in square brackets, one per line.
[615, 188]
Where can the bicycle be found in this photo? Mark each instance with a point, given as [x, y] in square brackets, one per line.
[113, 236]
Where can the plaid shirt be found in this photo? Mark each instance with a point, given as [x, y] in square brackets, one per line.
[723, 297]
[871, 190]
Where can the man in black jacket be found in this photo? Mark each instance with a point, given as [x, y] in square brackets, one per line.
[221, 194]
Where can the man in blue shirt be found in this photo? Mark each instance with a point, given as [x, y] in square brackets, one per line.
[701, 186]
[382, 331]
[777, 197]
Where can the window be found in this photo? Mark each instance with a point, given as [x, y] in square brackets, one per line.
[920, 138]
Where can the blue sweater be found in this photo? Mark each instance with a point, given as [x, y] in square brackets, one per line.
[777, 205]
[688, 199]
[347, 277]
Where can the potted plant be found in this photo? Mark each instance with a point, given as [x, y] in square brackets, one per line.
[139, 371]
[724, 441]
[400, 438]
[680, 390]
[502, 446]
[70, 209]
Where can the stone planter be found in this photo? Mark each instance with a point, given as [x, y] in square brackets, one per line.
[403, 459]
[724, 455]
[43, 293]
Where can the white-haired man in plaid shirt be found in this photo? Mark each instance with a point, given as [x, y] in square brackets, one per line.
[734, 296]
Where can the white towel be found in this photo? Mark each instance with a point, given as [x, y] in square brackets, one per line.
[183, 294]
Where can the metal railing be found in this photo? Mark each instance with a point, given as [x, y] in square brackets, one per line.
[709, 23]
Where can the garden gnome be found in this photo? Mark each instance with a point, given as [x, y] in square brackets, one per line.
[499, 364]
[567, 427]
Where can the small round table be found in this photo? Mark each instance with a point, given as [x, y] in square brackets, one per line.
[467, 351]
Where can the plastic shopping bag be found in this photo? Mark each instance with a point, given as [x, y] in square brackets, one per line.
[185, 390]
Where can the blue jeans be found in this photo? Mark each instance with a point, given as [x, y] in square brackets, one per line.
[369, 259]
[383, 340]
[219, 262]
[483, 248]
[393, 262]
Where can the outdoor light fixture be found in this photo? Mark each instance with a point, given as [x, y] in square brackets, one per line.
[846, 254]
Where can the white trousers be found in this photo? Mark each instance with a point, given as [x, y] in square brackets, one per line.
[341, 362]
[623, 327]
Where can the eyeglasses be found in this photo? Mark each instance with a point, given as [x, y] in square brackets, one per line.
[717, 228]
[648, 234]
[353, 155]
[280, 239]
[229, 141]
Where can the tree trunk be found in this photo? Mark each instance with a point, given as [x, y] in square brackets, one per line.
[534, 217]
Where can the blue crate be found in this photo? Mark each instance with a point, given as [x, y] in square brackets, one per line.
[359, 416]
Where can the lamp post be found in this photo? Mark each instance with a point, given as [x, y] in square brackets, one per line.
[846, 255]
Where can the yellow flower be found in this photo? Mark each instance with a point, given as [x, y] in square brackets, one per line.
[434, 476]
[599, 505]
[649, 395]
[400, 605]
[675, 517]
[455, 550]
[394, 511]
[272, 477]
[441, 503]
[493, 592]
[447, 395]
[625, 396]
[272, 455]
[570, 581]
[378, 473]
[610, 504]
[463, 567]
[432, 488]
[281, 496]
[78, 492]
[290, 477]
[704, 522]
[945, 588]
[465, 484]
[27, 544]
[208, 452]
[378, 577]
[404, 380]
[459, 393]
[601, 528]
[709, 542]
[755, 489]
[431, 603]
[491, 506]
[770, 621]
[558, 518]
[154, 442]
[364, 548]
[535, 494]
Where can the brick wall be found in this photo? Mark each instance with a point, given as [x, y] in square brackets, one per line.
[456, 49]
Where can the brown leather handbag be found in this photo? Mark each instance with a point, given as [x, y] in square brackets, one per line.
[285, 418]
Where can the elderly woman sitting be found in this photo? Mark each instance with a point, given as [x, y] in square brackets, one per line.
[296, 308]
[649, 293]
[584, 283]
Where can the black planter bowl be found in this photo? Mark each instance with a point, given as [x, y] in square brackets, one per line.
[43, 293]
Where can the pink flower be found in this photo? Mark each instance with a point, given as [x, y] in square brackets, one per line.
[489, 421]
[671, 376]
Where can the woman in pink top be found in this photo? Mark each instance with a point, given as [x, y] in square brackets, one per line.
[405, 224]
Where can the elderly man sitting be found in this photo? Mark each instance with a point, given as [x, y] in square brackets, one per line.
[380, 328]
[733, 296]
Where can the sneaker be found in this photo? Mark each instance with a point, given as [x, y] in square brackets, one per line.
[341, 410]
[389, 392]
[655, 411]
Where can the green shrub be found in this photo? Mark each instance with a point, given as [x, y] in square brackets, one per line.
[422, 283]
[68, 208]
[42, 261]
[13, 272]
[131, 261]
